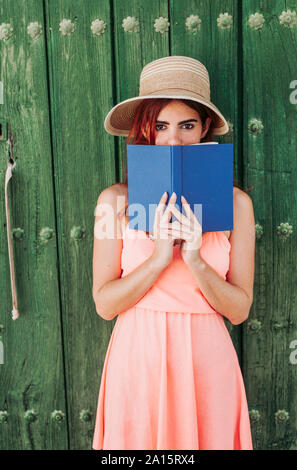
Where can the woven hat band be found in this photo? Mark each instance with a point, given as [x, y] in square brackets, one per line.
[179, 80]
[170, 92]
[174, 63]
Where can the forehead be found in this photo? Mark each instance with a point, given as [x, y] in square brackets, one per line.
[176, 108]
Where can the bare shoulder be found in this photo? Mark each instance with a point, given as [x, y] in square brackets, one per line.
[243, 212]
[114, 189]
[122, 188]
[115, 196]
[242, 200]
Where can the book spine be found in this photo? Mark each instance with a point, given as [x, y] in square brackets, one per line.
[176, 173]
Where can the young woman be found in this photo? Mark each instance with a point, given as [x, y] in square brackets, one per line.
[171, 377]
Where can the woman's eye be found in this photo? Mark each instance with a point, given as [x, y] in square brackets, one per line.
[158, 127]
[192, 125]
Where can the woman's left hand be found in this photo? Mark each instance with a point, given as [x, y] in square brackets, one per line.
[189, 230]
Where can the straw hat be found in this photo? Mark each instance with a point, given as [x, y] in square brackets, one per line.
[177, 77]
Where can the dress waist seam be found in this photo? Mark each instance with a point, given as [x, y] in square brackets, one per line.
[155, 309]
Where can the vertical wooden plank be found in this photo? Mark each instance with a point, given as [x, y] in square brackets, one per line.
[81, 78]
[195, 32]
[32, 374]
[270, 65]
[133, 50]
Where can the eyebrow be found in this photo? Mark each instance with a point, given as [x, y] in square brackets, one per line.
[181, 122]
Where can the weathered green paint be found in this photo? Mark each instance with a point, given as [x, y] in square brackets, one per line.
[269, 66]
[81, 91]
[33, 374]
[57, 91]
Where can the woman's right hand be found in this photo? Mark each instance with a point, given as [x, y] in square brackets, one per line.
[163, 251]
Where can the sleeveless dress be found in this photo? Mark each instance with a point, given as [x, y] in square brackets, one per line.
[171, 377]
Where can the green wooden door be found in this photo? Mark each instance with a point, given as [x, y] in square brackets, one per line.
[33, 373]
[60, 77]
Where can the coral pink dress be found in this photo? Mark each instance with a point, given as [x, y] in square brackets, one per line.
[171, 377]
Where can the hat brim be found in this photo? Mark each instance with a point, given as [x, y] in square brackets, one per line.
[120, 118]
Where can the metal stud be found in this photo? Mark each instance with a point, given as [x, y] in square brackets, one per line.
[30, 415]
[98, 27]
[281, 416]
[193, 23]
[254, 325]
[254, 416]
[85, 415]
[256, 21]
[6, 31]
[18, 233]
[161, 24]
[224, 21]
[130, 24]
[57, 416]
[288, 18]
[46, 234]
[3, 416]
[66, 27]
[259, 231]
[34, 29]
[77, 233]
[284, 230]
[255, 126]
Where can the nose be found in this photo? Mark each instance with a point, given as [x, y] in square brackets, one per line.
[174, 137]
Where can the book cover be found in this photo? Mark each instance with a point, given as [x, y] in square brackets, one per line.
[202, 173]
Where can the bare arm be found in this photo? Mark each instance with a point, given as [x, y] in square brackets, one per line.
[111, 293]
[118, 295]
[232, 298]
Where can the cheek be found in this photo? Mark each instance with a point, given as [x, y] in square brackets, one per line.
[192, 136]
[197, 134]
[158, 139]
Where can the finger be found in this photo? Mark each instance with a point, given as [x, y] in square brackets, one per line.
[176, 234]
[161, 205]
[182, 228]
[178, 231]
[167, 213]
[180, 217]
[187, 207]
[190, 214]
[178, 226]
[188, 224]
[160, 209]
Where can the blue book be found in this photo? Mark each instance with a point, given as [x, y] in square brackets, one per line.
[202, 173]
